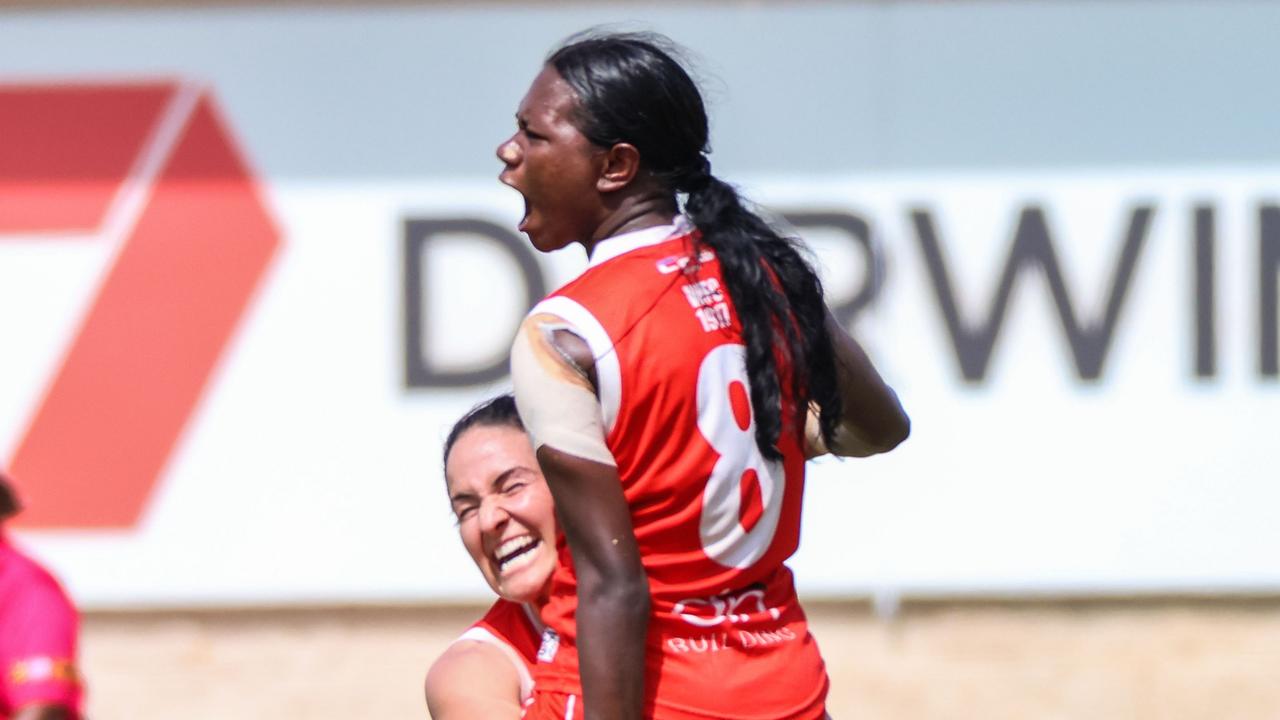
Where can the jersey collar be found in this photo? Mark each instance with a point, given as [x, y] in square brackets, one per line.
[612, 247]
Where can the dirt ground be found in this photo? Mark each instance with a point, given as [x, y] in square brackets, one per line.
[1176, 660]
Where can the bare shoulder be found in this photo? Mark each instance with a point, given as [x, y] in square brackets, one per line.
[472, 680]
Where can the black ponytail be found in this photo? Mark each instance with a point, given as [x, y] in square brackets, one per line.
[631, 89]
[779, 301]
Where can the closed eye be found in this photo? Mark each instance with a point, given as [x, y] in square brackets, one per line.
[524, 128]
[463, 512]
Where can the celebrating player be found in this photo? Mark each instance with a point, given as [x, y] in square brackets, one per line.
[38, 628]
[506, 521]
[672, 392]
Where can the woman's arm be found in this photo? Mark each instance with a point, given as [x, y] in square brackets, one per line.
[613, 591]
[553, 373]
[473, 681]
[872, 420]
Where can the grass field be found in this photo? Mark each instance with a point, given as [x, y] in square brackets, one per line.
[1176, 660]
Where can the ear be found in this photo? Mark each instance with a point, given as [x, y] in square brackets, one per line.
[621, 165]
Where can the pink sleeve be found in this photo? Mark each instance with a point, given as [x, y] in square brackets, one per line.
[38, 647]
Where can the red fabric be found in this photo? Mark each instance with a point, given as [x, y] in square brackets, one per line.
[38, 629]
[726, 642]
[553, 706]
[510, 622]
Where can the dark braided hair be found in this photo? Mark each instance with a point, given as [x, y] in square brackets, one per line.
[495, 412]
[631, 89]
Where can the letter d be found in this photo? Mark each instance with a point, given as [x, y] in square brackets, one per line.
[419, 235]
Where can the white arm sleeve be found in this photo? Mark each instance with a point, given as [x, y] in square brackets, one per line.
[557, 404]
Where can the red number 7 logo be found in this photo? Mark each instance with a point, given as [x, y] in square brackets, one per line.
[152, 167]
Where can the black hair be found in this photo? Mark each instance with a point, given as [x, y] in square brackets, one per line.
[494, 412]
[631, 89]
[10, 505]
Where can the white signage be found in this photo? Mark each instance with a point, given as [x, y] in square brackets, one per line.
[1089, 360]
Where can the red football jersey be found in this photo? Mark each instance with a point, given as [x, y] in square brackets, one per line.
[511, 627]
[715, 521]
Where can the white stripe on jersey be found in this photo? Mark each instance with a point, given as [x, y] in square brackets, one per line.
[479, 634]
[608, 372]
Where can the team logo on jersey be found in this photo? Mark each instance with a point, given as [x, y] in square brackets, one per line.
[550, 645]
[708, 303]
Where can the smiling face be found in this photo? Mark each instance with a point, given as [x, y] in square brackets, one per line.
[553, 166]
[504, 509]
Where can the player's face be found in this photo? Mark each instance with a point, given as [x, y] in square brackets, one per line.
[504, 510]
[553, 166]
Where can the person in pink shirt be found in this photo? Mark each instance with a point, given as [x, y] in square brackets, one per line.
[38, 630]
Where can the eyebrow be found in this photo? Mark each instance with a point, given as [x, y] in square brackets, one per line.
[497, 481]
[506, 474]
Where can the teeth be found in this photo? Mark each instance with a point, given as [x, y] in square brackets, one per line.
[516, 562]
[513, 545]
[515, 553]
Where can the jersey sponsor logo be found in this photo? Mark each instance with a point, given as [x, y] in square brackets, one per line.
[740, 639]
[668, 265]
[151, 170]
[41, 669]
[731, 608]
[718, 615]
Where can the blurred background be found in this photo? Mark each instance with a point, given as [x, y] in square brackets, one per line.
[254, 262]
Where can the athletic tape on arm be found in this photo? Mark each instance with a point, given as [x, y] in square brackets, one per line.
[557, 404]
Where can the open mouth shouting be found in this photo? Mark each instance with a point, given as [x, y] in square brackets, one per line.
[515, 553]
[524, 219]
[506, 179]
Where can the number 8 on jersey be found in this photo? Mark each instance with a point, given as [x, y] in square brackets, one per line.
[743, 495]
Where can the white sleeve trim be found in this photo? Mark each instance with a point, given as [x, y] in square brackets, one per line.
[608, 372]
[479, 634]
[557, 404]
